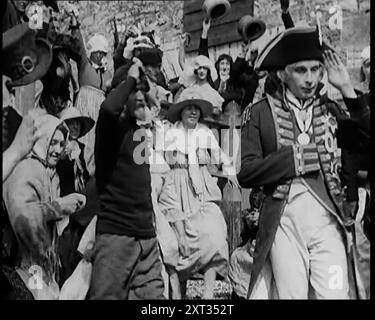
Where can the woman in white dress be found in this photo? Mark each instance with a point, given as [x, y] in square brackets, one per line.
[189, 147]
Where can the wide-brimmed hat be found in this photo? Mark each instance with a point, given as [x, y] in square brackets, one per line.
[290, 46]
[189, 97]
[72, 113]
[25, 57]
[203, 61]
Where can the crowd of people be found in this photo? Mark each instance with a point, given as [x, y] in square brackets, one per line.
[112, 181]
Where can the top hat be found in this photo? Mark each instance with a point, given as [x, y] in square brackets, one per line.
[25, 58]
[215, 9]
[290, 46]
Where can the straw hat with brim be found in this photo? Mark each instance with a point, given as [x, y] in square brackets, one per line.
[290, 46]
[174, 113]
[25, 58]
[189, 97]
[72, 113]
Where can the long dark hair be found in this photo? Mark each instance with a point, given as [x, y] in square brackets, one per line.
[209, 77]
[222, 57]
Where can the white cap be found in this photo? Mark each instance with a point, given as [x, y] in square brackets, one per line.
[97, 43]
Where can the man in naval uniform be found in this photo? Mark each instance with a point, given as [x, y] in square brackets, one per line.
[289, 147]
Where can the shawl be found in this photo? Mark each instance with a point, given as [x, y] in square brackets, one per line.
[29, 195]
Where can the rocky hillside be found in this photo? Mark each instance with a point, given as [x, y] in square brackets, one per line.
[166, 19]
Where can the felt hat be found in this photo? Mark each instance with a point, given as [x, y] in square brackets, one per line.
[215, 9]
[290, 46]
[189, 97]
[72, 113]
[25, 57]
[251, 28]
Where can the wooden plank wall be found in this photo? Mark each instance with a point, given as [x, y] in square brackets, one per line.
[223, 31]
[171, 66]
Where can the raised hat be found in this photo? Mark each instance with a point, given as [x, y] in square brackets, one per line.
[215, 9]
[25, 57]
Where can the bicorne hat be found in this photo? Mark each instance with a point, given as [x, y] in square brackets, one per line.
[290, 46]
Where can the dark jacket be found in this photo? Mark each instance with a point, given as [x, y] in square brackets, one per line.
[246, 78]
[264, 164]
[232, 91]
[10, 16]
[124, 187]
[65, 170]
